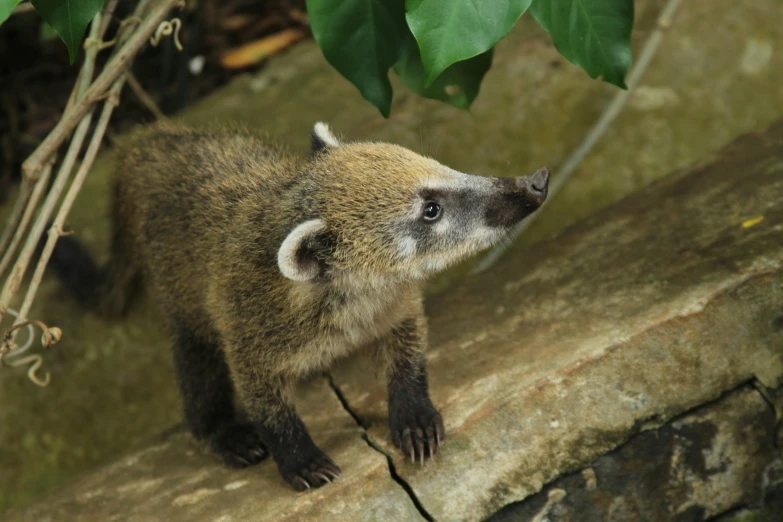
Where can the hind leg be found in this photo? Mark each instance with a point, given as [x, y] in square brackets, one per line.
[208, 397]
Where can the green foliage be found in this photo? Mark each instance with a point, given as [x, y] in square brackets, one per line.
[441, 49]
[362, 39]
[458, 85]
[593, 34]
[46, 32]
[449, 32]
[6, 8]
[69, 19]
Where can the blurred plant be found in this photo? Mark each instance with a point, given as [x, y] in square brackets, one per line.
[442, 49]
[146, 22]
[439, 49]
[68, 18]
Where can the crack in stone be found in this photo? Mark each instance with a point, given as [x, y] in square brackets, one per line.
[376, 447]
[777, 411]
[637, 429]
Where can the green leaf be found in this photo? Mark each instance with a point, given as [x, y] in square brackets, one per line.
[593, 34]
[458, 85]
[450, 31]
[362, 39]
[69, 19]
[6, 8]
[47, 32]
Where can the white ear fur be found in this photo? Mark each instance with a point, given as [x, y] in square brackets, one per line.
[290, 266]
[323, 135]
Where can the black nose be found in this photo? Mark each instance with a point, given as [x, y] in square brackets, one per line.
[536, 185]
[539, 180]
[518, 198]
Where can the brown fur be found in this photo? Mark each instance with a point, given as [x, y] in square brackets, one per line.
[202, 214]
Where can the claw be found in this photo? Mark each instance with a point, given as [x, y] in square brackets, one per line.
[321, 476]
[242, 460]
[257, 452]
[420, 447]
[431, 446]
[439, 432]
[302, 481]
[334, 475]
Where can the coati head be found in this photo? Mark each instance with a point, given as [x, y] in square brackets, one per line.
[384, 211]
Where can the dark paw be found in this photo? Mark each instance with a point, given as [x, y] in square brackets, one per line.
[417, 431]
[239, 445]
[309, 469]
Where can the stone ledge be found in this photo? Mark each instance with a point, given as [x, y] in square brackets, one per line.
[654, 306]
[702, 464]
[646, 310]
[174, 479]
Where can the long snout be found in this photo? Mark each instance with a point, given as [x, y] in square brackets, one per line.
[517, 198]
[535, 186]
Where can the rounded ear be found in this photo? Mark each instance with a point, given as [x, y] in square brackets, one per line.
[296, 257]
[322, 138]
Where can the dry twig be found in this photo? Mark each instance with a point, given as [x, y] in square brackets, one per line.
[132, 35]
[144, 98]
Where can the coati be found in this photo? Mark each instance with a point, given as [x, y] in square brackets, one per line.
[268, 267]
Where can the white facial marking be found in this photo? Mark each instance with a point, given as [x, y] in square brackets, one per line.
[443, 225]
[286, 256]
[323, 132]
[406, 246]
[485, 235]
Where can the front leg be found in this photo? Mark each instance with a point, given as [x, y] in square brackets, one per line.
[416, 426]
[301, 463]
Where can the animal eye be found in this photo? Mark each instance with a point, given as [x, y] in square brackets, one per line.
[431, 211]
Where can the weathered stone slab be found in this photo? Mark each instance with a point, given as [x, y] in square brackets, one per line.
[560, 354]
[174, 479]
[705, 463]
[540, 366]
[717, 73]
[42, 438]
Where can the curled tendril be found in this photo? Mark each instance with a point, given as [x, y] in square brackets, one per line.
[32, 371]
[10, 353]
[165, 29]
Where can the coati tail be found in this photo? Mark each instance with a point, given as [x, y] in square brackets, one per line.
[107, 290]
[77, 271]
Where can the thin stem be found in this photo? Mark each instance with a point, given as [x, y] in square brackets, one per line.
[13, 219]
[145, 98]
[132, 38]
[17, 273]
[575, 159]
[26, 217]
[56, 229]
[32, 189]
[118, 63]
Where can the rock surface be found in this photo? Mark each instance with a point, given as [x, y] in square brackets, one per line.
[717, 73]
[656, 305]
[702, 464]
[174, 479]
[661, 303]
